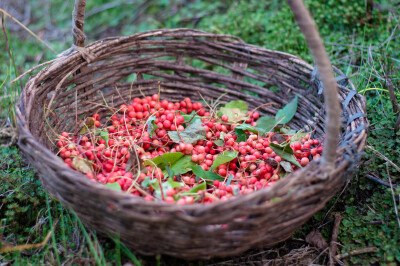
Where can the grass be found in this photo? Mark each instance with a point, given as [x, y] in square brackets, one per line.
[362, 40]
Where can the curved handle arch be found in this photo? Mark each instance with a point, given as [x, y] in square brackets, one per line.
[314, 43]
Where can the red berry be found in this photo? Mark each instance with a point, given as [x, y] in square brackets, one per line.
[304, 161]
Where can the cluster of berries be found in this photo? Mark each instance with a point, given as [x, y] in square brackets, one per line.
[141, 132]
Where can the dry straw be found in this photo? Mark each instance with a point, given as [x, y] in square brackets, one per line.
[195, 64]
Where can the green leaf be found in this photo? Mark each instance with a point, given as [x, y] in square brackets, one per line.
[200, 173]
[219, 143]
[170, 183]
[183, 165]
[285, 152]
[104, 135]
[234, 114]
[224, 157]
[115, 186]
[241, 105]
[242, 136]
[187, 117]
[202, 186]
[235, 110]
[298, 136]
[151, 125]
[286, 114]
[275, 199]
[265, 124]
[245, 126]
[173, 184]
[161, 160]
[192, 133]
[148, 181]
[288, 131]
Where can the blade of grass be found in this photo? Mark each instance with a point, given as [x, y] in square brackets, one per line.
[118, 251]
[124, 249]
[62, 225]
[96, 242]
[90, 243]
[53, 238]
[28, 30]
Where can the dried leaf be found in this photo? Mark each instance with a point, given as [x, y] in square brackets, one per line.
[286, 166]
[6, 249]
[151, 125]
[235, 110]
[86, 125]
[279, 138]
[271, 161]
[192, 133]
[314, 238]
[234, 114]
[134, 162]
[81, 165]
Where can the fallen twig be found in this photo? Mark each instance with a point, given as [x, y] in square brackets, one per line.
[397, 125]
[335, 233]
[356, 252]
[384, 157]
[395, 104]
[394, 199]
[7, 249]
[380, 181]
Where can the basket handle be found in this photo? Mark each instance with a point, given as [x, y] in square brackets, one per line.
[315, 44]
[78, 20]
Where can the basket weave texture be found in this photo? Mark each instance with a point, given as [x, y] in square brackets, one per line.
[186, 63]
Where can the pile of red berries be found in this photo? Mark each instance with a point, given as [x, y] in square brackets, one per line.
[180, 152]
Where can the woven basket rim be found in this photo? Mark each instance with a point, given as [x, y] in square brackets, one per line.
[76, 55]
[147, 226]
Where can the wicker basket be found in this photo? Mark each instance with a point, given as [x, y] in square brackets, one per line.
[74, 85]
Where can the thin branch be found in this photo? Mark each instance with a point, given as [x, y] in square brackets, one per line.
[383, 157]
[335, 233]
[356, 252]
[394, 199]
[378, 180]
